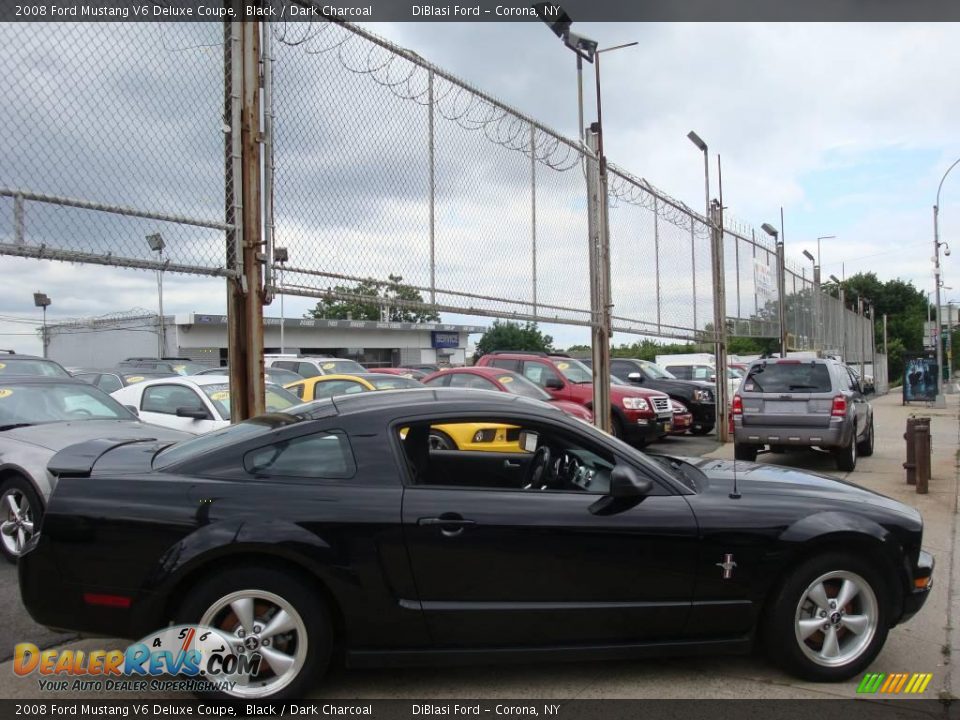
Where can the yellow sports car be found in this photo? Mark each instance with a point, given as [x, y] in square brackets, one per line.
[489, 437]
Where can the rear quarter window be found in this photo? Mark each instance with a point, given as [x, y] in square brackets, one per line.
[323, 455]
[788, 377]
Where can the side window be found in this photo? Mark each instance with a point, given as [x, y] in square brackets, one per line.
[851, 380]
[325, 455]
[622, 369]
[467, 380]
[539, 372]
[308, 370]
[297, 390]
[88, 378]
[439, 381]
[285, 365]
[109, 383]
[506, 364]
[504, 454]
[167, 398]
[701, 372]
[683, 373]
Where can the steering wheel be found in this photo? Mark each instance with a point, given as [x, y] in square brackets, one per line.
[538, 468]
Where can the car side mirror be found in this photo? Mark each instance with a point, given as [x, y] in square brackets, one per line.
[528, 441]
[713, 378]
[625, 482]
[635, 377]
[195, 413]
[553, 384]
[133, 409]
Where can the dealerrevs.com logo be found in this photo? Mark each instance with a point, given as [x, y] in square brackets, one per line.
[895, 683]
[202, 657]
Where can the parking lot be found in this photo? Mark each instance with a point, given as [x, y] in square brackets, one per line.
[925, 644]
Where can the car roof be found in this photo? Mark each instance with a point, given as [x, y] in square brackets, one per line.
[14, 379]
[440, 400]
[486, 370]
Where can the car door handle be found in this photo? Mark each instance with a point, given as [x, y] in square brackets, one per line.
[511, 465]
[450, 524]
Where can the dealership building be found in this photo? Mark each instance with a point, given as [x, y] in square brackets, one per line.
[102, 342]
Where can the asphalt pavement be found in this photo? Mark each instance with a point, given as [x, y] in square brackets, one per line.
[924, 645]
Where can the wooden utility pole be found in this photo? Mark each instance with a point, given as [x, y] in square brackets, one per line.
[245, 292]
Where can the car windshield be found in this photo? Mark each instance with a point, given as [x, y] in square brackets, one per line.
[277, 398]
[392, 382]
[574, 370]
[220, 438]
[519, 385]
[31, 366]
[657, 372]
[187, 368]
[29, 404]
[341, 366]
[791, 376]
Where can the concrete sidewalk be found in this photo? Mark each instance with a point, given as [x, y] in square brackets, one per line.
[925, 644]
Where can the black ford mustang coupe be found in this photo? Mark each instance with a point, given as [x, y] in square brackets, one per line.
[334, 526]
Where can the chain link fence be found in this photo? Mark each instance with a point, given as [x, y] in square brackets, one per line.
[382, 170]
[112, 133]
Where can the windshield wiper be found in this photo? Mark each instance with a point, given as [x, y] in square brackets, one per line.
[11, 426]
[803, 387]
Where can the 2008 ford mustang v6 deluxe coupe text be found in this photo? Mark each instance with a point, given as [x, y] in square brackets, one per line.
[334, 525]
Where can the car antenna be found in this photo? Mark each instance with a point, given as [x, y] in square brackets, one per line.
[735, 494]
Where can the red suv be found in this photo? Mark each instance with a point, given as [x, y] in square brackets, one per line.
[639, 416]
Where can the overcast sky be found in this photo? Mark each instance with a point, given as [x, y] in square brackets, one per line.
[848, 127]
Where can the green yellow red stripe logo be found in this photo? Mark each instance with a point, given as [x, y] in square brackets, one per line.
[894, 683]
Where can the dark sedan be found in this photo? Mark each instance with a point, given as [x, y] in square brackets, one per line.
[334, 525]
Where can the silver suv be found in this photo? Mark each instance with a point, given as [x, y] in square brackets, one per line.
[805, 403]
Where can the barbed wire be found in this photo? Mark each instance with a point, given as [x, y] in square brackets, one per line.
[408, 76]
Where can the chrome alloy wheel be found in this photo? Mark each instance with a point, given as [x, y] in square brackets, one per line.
[259, 622]
[836, 618]
[17, 525]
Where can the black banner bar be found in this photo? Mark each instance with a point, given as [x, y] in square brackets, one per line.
[432, 709]
[479, 10]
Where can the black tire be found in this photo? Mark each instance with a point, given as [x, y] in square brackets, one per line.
[780, 628]
[616, 428]
[865, 446]
[745, 452]
[846, 457]
[303, 599]
[31, 511]
[777, 449]
[701, 429]
[439, 440]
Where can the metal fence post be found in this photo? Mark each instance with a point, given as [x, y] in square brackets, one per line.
[431, 142]
[656, 257]
[599, 279]
[782, 299]
[533, 211]
[693, 270]
[719, 322]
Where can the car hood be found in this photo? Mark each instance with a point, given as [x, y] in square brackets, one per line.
[572, 408]
[757, 480]
[618, 392]
[58, 435]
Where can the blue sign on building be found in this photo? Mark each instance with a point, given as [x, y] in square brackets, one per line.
[445, 339]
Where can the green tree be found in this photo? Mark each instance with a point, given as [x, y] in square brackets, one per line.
[513, 336]
[374, 301]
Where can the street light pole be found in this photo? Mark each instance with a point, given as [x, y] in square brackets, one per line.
[781, 286]
[41, 300]
[156, 244]
[940, 400]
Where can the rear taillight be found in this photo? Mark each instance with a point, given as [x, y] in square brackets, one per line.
[737, 405]
[839, 408]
